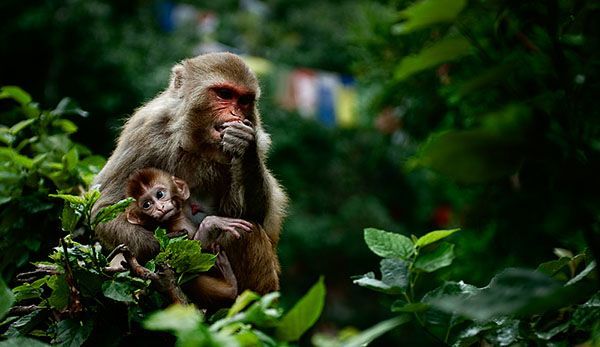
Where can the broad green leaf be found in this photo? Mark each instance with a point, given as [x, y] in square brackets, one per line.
[434, 236]
[441, 257]
[242, 302]
[65, 125]
[70, 159]
[561, 328]
[447, 49]
[163, 240]
[118, 291]
[22, 341]
[72, 332]
[471, 156]
[111, 212]
[394, 273]
[11, 155]
[26, 324]
[263, 313]
[15, 93]
[368, 280]
[303, 315]
[69, 218]
[15, 129]
[73, 199]
[424, 13]
[587, 314]
[185, 256]
[512, 292]
[68, 106]
[365, 337]
[415, 307]
[7, 298]
[436, 317]
[551, 268]
[175, 318]
[59, 299]
[583, 274]
[388, 245]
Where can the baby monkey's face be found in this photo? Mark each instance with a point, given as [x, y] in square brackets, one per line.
[157, 203]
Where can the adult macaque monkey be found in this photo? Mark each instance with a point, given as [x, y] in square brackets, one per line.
[205, 129]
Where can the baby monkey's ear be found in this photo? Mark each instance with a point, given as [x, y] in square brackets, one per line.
[133, 217]
[182, 188]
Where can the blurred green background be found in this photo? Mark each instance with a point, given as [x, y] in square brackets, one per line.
[481, 116]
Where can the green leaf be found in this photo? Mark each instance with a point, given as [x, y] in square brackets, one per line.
[365, 337]
[118, 291]
[22, 341]
[424, 13]
[434, 236]
[163, 240]
[175, 318]
[388, 245]
[70, 160]
[583, 274]
[441, 257]
[69, 218]
[415, 307]
[368, 280]
[72, 332]
[59, 299]
[111, 212]
[73, 199]
[11, 155]
[471, 156]
[7, 298]
[15, 129]
[24, 325]
[303, 315]
[242, 302]
[587, 314]
[185, 256]
[551, 268]
[394, 273]
[15, 93]
[512, 292]
[65, 125]
[447, 49]
[67, 106]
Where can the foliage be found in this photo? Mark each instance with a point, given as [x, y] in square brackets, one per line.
[38, 157]
[519, 306]
[247, 323]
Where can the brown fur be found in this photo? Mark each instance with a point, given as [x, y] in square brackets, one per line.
[171, 133]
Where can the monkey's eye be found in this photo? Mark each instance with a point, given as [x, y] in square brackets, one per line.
[160, 194]
[224, 93]
[146, 205]
[246, 100]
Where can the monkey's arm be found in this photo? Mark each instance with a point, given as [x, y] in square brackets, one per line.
[263, 199]
[214, 291]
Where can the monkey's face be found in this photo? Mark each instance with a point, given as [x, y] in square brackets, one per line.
[158, 203]
[230, 103]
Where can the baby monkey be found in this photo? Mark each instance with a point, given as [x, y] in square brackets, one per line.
[162, 201]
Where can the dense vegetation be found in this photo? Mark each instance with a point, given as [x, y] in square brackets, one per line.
[476, 115]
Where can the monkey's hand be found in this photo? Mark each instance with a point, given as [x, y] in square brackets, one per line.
[212, 227]
[238, 137]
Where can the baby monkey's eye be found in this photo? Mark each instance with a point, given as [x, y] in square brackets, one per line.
[146, 205]
[160, 194]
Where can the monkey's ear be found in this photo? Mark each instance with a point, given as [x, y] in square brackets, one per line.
[182, 187]
[176, 77]
[133, 218]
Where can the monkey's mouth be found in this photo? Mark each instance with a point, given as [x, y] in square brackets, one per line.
[218, 131]
[167, 215]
